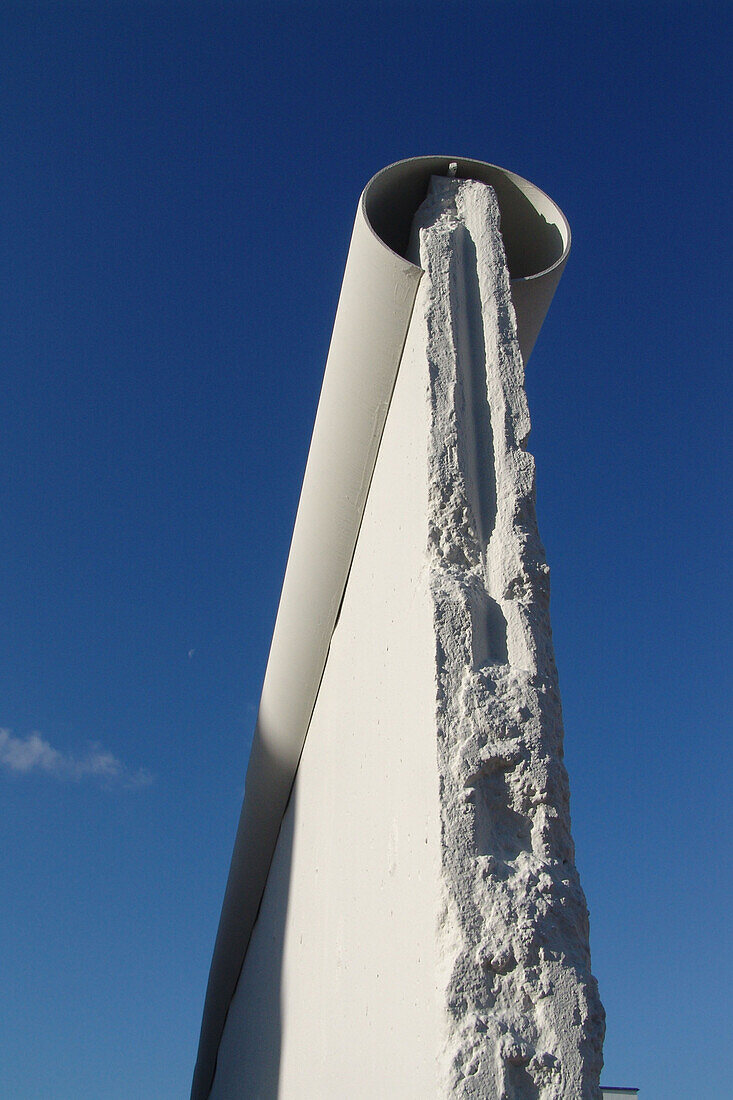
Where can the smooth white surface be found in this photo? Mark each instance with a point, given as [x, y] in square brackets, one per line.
[338, 986]
[368, 336]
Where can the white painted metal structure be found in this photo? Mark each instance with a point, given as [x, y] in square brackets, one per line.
[369, 333]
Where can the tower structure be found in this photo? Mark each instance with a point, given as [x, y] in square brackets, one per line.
[403, 916]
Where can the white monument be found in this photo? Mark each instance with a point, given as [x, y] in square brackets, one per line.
[403, 917]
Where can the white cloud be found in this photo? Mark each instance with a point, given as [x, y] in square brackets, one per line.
[23, 755]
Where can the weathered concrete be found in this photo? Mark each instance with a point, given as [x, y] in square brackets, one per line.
[523, 1019]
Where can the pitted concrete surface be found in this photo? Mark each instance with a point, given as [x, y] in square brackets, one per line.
[522, 1016]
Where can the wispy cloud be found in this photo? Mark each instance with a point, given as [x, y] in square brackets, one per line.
[23, 755]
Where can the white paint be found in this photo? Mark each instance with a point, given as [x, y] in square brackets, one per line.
[423, 932]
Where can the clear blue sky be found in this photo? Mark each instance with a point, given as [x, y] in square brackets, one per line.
[178, 187]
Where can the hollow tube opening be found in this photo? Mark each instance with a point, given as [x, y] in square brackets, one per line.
[535, 231]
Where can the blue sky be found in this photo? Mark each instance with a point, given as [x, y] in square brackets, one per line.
[178, 187]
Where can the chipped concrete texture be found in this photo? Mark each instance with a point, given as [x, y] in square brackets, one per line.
[522, 1020]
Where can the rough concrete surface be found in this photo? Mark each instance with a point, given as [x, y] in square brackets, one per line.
[523, 1020]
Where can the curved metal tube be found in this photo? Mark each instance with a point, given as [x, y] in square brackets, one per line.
[369, 332]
